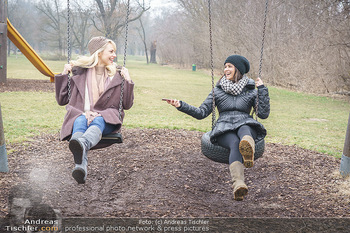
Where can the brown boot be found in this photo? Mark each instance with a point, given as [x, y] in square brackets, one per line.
[247, 149]
[240, 189]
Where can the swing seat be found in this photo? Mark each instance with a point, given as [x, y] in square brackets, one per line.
[220, 154]
[108, 140]
[112, 138]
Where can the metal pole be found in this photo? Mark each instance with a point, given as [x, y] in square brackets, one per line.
[3, 154]
[3, 41]
[345, 159]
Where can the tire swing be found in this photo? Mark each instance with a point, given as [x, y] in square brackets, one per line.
[215, 152]
[106, 140]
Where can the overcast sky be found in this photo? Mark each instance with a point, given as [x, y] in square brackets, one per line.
[160, 3]
[157, 5]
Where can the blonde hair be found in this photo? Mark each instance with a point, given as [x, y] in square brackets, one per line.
[92, 60]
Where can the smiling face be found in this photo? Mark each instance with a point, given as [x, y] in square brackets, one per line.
[230, 71]
[107, 56]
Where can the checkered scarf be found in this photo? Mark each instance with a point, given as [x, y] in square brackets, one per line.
[233, 88]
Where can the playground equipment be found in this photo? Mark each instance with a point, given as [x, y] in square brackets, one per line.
[3, 153]
[28, 51]
[215, 152]
[3, 64]
[33, 57]
[345, 159]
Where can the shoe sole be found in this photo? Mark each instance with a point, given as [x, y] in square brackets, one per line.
[247, 151]
[79, 175]
[240, 193]
[77, 150]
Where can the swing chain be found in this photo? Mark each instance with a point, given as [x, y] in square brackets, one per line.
[263, 39]
[125, 48]
[261, 57]
[126, 30]
[211, 64]
[69, 51]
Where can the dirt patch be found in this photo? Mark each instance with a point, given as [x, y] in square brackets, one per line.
[162, 173]
[27, 85]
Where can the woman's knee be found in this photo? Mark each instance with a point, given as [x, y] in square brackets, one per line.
[80, 120]
[246, 130]
[80, 124]
[228, 140]
[99, 122]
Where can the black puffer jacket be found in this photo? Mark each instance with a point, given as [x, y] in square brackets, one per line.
[233, 110]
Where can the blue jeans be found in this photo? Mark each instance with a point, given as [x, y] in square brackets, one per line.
[80, 125]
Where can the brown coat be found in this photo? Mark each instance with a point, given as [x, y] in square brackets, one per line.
[107, 105]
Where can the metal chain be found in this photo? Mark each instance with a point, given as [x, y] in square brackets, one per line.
[211, 64]
[261, 57]
[263, 39]
[125, 48]
[68, 47]
[126, 30]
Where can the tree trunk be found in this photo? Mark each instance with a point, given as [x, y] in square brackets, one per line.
[143, 38]
[153, 52]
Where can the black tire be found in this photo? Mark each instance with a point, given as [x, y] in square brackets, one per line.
[220, 154]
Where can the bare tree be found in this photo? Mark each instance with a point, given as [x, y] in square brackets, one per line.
[22, 15]
[306, 44]
[81, 24]
[111, 16]
[52, 16]
[142, 34]
[305, 56]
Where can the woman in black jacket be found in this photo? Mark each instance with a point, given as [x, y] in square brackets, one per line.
[235, 129]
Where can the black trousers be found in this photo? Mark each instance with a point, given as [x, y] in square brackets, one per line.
[230, 140]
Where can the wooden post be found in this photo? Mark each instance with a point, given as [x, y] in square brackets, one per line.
[3, 154]
[345, 159]
[3, 78]
[3, 41]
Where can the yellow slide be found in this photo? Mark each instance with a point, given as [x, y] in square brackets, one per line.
[28, 51]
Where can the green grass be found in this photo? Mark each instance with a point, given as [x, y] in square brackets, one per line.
[154, 82]
[308, 121]
[312, 122]
[27, 114]
[21, 68]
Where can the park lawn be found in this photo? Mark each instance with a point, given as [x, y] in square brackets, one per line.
[19, 67]
[313, 122]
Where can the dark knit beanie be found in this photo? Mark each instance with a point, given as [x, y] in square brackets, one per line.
[240, 62]
[96, 43]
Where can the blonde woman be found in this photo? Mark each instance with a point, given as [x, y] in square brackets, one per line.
[92, 100]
